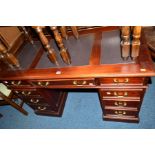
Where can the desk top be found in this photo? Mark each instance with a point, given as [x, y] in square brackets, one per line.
[95, 54]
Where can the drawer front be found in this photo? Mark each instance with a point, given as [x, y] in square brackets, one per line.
[122, 81]
[71, 82]
[26, 93]
[43, 108]
[16, 83]
[129, 119]
[121, 93]
[36, 101]
[120, 104]
[120, 113]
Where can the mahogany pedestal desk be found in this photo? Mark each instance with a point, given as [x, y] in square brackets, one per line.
[96, 64]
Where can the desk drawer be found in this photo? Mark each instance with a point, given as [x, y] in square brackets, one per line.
[120, 113]
[129, 119]
[67, 82]
[27, 93]
[36, 101]
[16, 83]
[121, 93]
[44, 108]
[123, 81]
[52, 107]
[121, 104]
[40, 107]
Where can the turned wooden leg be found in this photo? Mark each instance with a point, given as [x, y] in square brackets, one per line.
[75, 31]
[64, 32]
[63, 51]
[29, 38]
[8, 57]
[125, 43]
[51, 52]
[136, 42]
[12, 59]
[2, 52]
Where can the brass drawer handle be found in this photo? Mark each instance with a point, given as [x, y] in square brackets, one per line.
[118, 112]
[43, 83]
[34, 101]
[16, 83]
[79, 83]
[124, 104]
[117, 94]
[26, 93]
[42, 108]
[115, 80]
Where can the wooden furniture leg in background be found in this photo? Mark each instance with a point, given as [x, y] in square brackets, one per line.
[8, 57]
[64, 32]
[29, 38]
[136, 42]
[75, 31]
[51, 52]
[63, 51]
[125, 43]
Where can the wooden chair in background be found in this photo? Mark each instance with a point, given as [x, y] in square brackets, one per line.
[64, 29]
[6, 98]
[59, 33]
[130, 43]
[11, 39]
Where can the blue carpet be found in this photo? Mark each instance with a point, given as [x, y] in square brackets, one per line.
[82, 111]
